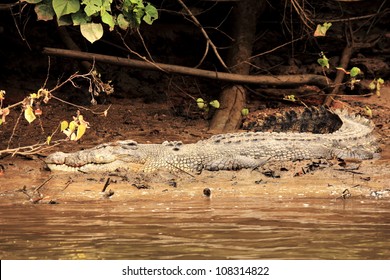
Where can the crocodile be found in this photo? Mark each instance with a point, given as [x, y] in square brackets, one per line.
[353, 138]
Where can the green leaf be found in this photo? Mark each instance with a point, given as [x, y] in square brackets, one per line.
[245, 112]
[106, 5]
[62, 7]
[64, 20]
[372, 85]
[380, 81]
[122, 22]
[200, 103]
[80, 18]
[44, 11]
[151, 14]
[322, 29]
[32, 1]
[354, 71]
[92, 31]
[108, 19]
[92, 6]
[137, 16]
[214, 103]
[323, 61]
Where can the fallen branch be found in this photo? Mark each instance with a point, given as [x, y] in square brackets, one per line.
[279, 80]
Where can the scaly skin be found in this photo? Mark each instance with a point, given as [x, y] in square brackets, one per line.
[354, 139]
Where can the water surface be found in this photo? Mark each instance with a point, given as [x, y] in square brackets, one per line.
[198, 228]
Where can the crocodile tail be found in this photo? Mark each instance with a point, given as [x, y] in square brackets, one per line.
[317, 120]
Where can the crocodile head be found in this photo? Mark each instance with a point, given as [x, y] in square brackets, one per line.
[104, 158]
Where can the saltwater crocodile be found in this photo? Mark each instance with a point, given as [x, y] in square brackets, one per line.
[353, 139]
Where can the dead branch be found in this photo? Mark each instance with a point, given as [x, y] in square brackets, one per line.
[279, 80]
[46, 95]
[31, 149]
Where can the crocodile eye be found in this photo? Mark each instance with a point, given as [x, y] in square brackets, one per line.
[130, 144]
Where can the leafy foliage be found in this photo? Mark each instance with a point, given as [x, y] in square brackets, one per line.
[203, 105]
[375, 85]
[90, 15]
[75, 129]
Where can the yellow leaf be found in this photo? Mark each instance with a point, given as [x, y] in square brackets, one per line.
[378, 91]
[29, 114]
[48, 140]
[368, 112]
[64, 125]
[80, 131]
[72, 126]
[290, 98]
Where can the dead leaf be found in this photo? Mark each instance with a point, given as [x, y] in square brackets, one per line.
[29, 114]
[3, 113]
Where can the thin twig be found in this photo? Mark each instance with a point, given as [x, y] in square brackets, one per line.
[276, 48]
[48, 72]
[41, 185]
[320, 20]
[17, 26]
[14, 129]
[197, 23]
[138, 55]
[82, 107]
[204, 55]
[108, 181]
[145, 47]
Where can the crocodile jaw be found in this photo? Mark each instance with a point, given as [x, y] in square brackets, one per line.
[116, 165]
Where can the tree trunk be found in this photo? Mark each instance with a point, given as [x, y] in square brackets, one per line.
[232, 98]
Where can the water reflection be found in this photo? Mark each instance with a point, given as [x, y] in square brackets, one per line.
[198, 228]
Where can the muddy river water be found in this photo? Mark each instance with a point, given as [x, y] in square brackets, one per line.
[271, 218]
